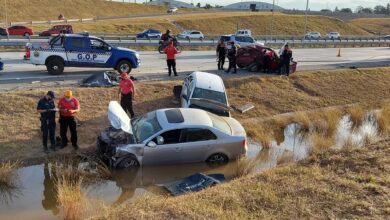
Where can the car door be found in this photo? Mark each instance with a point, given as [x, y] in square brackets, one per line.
[196, 144]
[186, 91]
[78, 51]
[167, 149]
[100, 52]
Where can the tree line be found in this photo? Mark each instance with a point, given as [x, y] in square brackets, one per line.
[379, 9]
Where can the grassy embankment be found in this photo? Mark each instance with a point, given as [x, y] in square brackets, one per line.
[217, 23]
[373, 25]
[271, 96]
[347, 184]
[41, 10]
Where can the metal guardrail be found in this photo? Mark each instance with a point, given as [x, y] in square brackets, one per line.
[131, 40]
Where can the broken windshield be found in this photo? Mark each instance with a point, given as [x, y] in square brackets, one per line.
[145, 126]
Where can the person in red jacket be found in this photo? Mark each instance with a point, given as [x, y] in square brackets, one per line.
[171, 52]
[69, 106]
[127, 93]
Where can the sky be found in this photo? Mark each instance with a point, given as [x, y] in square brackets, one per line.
[301, 4]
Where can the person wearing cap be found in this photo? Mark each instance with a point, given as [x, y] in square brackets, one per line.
[171, 52]
[47, 109]
[126, 93]
[68, 106]
[232, 55]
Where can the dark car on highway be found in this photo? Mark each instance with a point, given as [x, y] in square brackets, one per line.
[3, 32]
[149, 33]
[20, 30]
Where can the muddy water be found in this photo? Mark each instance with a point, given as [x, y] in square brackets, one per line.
[35, 196]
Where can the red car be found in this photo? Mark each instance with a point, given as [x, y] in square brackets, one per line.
[58, 29]
[20, 30]
[253, 58]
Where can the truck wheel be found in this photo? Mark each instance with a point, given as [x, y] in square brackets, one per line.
[128, 162]
[124, 66]
[55, 66]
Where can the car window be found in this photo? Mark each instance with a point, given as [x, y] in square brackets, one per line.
[195, 32]
[57, 41]
[209, 94]
[77, 42]
[250, 40]
[220, 124]
[146, 126]
[240, 39]
[170, 137]
[196, 134]
[98, 44]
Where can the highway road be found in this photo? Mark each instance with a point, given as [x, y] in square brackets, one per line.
[153, 64]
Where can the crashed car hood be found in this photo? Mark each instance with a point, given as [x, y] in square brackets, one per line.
[207, 103]
[118, 117]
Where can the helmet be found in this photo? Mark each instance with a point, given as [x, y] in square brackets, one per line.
[168, 31]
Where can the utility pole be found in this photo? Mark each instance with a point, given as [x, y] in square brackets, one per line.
[307, 7]
[272, 18]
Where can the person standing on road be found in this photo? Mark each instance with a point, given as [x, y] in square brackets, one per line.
[171, 52]
[69, 106]
[127, 93]
[232, 56]
[47, 109]
[221, 53]
[285, 59]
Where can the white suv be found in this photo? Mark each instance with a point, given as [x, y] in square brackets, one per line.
[313, 35]
[333, 35]
[188, 34]
[205, 91]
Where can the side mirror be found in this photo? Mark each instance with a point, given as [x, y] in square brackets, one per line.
[160, 140]
[152, 144]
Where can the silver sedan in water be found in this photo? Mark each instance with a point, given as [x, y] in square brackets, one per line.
[169, 136]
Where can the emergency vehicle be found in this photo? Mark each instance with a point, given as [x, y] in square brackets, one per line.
[80, 50]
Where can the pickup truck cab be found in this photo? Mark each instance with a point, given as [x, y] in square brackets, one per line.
[80, 50]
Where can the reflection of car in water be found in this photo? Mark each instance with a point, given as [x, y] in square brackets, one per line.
[205, 91]
[170, 136]
[253, 59]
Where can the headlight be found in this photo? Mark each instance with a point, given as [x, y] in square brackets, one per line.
[137, 55]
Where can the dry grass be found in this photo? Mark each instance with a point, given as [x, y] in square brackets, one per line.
[6, 170]
[303, 120]
[373, 25]
[383, 119]
[347, 184]
[260, 133]
[356, 114]
[245, 166]
[70, 198]
[27, 10]
[320, 143]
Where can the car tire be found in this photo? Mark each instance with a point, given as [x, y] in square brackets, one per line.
[55, 66]
[217, 159]
[128, 162]
[26, 35]
[124, 66]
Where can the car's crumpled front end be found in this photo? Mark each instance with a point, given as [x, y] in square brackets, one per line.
[109, 140]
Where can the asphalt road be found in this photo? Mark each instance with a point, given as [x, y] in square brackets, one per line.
[153, 64]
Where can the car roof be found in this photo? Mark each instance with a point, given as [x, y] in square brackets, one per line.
[208, 81]
[186, 117]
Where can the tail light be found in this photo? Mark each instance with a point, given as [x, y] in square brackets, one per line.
[28, 53]
[245, 143]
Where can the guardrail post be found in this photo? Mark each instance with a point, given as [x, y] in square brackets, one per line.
[120, 39]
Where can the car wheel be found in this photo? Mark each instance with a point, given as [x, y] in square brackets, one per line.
[128, 162]
[217, 159]
[26, 34]
[124, 66]
[55, 66]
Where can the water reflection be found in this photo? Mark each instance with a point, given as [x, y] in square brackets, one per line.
[49, 201]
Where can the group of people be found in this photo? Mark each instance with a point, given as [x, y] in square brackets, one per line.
[230, 51]
[68, 107]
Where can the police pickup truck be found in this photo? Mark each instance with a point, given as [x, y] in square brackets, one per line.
[80, 50]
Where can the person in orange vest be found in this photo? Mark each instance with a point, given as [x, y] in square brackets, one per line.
[171, 52]
[127, 93]
[68, 106]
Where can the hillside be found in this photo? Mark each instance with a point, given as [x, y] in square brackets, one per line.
[215, 23]
[27, 10]
[373, 25]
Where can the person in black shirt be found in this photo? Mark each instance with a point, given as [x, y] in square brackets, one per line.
[221, 53]
[46, 108]
[232, 56]
[285, 59]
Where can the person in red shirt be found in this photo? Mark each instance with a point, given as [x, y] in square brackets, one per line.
[69, 106]
[127, 93]
[171, 52]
